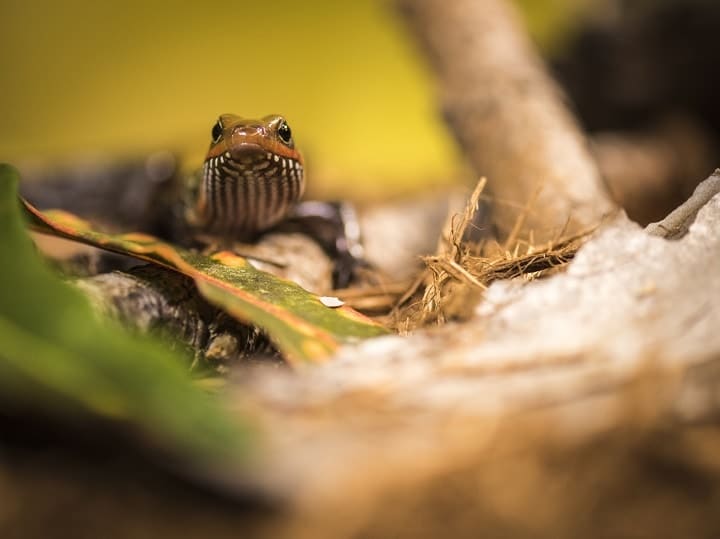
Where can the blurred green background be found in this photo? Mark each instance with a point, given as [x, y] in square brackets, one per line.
[131, 77]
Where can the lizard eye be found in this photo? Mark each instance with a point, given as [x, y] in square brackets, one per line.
[284, 133]
[217, 132]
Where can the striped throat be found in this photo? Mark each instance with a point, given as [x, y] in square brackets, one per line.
[252, 177]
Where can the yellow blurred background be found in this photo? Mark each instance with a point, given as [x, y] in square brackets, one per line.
[130, 77]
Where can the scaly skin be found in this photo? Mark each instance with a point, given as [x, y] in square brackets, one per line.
[251, 180]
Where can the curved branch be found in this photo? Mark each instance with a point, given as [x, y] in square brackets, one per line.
[509, 116]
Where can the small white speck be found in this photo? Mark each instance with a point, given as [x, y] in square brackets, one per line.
[276, 158]
[227, 155]
[331, 301]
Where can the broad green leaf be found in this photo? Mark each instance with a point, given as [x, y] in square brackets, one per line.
[59, 359]
[302, 328]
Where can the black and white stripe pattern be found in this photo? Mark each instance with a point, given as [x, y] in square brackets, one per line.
[250, 194]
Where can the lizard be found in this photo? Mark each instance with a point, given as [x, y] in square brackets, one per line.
[252, 181]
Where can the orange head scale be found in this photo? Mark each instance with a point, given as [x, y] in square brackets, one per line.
[252, 176]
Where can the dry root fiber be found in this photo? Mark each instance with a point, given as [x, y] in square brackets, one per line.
[455, 277]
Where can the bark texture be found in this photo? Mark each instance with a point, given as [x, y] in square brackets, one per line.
[151, 299]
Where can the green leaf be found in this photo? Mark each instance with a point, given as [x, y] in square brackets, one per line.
[58, 358]
[302, 328]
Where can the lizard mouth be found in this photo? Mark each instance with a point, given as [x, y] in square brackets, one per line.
[252, 161]
[251, 189]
